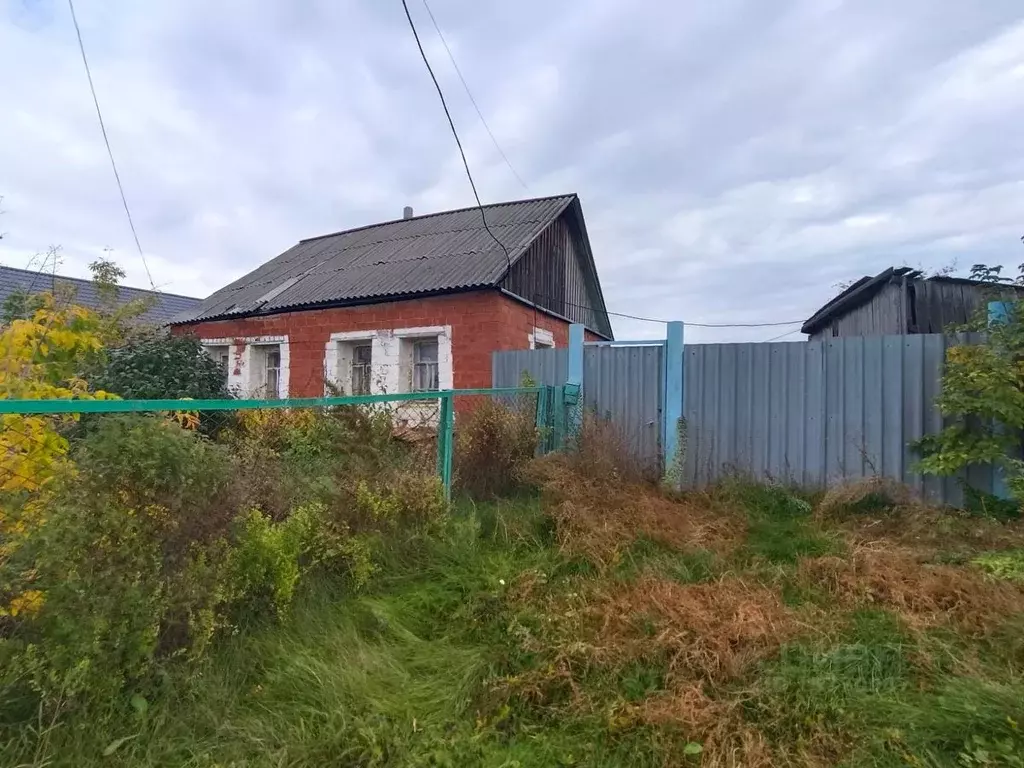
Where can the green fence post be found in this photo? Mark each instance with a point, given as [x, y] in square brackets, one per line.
[559, 418]
[542, 419]
[445, 441]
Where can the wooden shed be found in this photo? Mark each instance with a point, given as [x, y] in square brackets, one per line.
[902, 300]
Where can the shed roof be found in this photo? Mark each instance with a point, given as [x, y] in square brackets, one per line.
[867, 287]
[165, 306]
[436, 253]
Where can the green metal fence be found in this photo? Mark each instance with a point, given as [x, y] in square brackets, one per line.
[439, 420]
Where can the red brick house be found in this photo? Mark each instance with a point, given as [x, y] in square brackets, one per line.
[414, 304]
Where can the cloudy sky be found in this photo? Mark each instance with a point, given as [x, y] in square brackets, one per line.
[736, 159]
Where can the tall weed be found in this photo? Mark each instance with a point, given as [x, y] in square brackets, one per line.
[493, 448]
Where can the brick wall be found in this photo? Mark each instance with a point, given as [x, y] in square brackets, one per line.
[481, 322]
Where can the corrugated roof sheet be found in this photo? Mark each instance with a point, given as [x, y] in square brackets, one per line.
[166, 306]
[434, 253]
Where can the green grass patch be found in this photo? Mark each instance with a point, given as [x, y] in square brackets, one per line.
[1007, 564]
[960, 722]
[453, 655]
[789, 540]
[779, 528]
[649, 556]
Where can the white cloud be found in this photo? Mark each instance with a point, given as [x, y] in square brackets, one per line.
[735, 158]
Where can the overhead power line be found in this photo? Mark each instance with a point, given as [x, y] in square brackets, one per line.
[746, 325]
[695, 325]
[106, 141]
[455, 133]
[476, 195]
[782, 335]
[469, 93]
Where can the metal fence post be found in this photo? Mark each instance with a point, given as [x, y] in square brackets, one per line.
[543, 433]
[672, 405]
[998, 314]
[445, 442]
[573, 391]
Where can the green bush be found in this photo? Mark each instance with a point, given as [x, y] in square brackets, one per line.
[159, 366]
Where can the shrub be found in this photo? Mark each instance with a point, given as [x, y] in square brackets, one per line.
[493, 448]
[157, 366]
[266, 561]
[288, 458]
[128, 561]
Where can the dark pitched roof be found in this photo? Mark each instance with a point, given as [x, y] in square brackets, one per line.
[166, 306]
[436, 253]
[867, 287]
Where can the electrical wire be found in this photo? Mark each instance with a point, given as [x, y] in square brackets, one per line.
[455, 133]
[694, 325]
[781, 336]
[106, 140]
[476, 195]
[469, 93]
[746, 325]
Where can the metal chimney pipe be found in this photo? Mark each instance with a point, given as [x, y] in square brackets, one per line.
[407, 212]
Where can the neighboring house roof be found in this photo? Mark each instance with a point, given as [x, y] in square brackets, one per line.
[166, 306]
[437, 253]
[867, 288]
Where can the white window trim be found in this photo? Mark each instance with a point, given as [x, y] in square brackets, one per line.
[390, 370]
[445, 364]
[208, 347]
[541, 338]
[338, 359]
[242, 351]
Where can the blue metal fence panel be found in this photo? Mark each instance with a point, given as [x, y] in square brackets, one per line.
[818, 412]
[807, 412]
[543, 366]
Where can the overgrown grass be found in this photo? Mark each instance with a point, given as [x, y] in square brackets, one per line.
[780, 527]
[739, 628]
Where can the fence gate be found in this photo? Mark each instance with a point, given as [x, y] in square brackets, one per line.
[624, 384]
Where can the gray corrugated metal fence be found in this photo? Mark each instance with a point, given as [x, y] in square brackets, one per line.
[623, 384]
[809, 412]
[817, 412]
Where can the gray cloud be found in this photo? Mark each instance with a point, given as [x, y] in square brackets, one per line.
[735, 158]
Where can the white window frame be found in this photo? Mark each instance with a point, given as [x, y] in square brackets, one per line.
[220, 353]
[429, 369]
[247, 363]
[338, 357]
[406, 337]
[541, 339]
[265, 351]
[365, 370]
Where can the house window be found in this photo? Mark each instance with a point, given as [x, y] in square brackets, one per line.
[362, 357]
[222, 355]
[541, 339]
[424, 365]
[272, 373]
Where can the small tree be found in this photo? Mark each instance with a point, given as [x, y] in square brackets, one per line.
[122, 320]
[982, 396]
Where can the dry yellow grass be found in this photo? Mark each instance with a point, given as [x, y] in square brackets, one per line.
[598, 517]
[925, 594]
